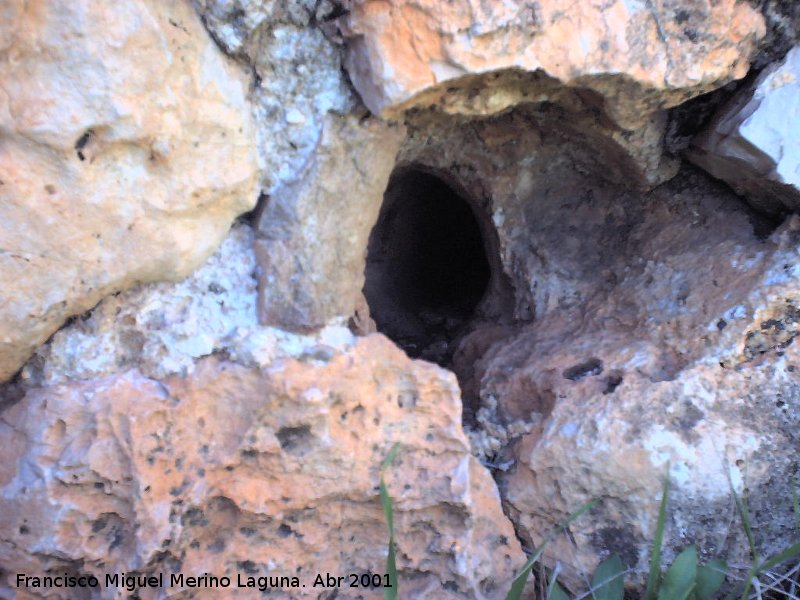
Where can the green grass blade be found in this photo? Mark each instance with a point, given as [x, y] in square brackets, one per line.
[581, 511]
[388, 509]
[654, 576]
[790, 552]
[607, 582]
[744, 515]
[515, 593]
[679, 581]
[387, 462]
[389, 593]
[710, 578]
[748, 581]
[555, 591]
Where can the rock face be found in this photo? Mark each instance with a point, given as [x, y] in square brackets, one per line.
[311, 269]
[702, 379]
[240, 471]
[649, 327]
[480, 58]
[162, 329]
[752, 145]
[299, 76]
[127, 149]
[607, 308]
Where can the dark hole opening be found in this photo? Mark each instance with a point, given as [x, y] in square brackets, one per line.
[427, 269]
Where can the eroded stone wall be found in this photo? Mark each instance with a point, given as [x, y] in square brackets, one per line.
[229, 413]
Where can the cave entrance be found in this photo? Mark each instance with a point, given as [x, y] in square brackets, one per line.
[427, 270]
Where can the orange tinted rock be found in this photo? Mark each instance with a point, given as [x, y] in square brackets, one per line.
[234, 470]
[638, 56]
[128, 149]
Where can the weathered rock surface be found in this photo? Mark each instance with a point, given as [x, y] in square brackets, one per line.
[127, 149]
[661, 326]
[752, 143]
[480, 58]
[312, 232]
[690, 361]
[783, 30]
[162, 329]
[236, 470]
[622, 328]
[299, 76]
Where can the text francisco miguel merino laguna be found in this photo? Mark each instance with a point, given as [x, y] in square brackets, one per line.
[132, 582]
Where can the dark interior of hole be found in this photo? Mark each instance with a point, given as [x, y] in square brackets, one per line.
[427, 269]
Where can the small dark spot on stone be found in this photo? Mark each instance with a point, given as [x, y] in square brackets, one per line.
[722, 324]
[621, 540]
[23, 530]
[217, 547]
[247, 531]
[99, 524]
[80, 144]
[294, 438]
[691, 416]
[194, 517]
[681, 16]
[613, 381]
[593, 366]
[284, 530]
[451, 586]
[248, 566]
[98, 485]
[116, 537]
[215, 288]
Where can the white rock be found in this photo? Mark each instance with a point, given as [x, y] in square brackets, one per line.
[753, 143]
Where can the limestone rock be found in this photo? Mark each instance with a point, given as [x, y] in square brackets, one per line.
[643, 327]
[162, 329]
[299, 76]
[313, 231]
[127, 149]
[239, 471]
[638, 56]
[752, 143]
[690, 358]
